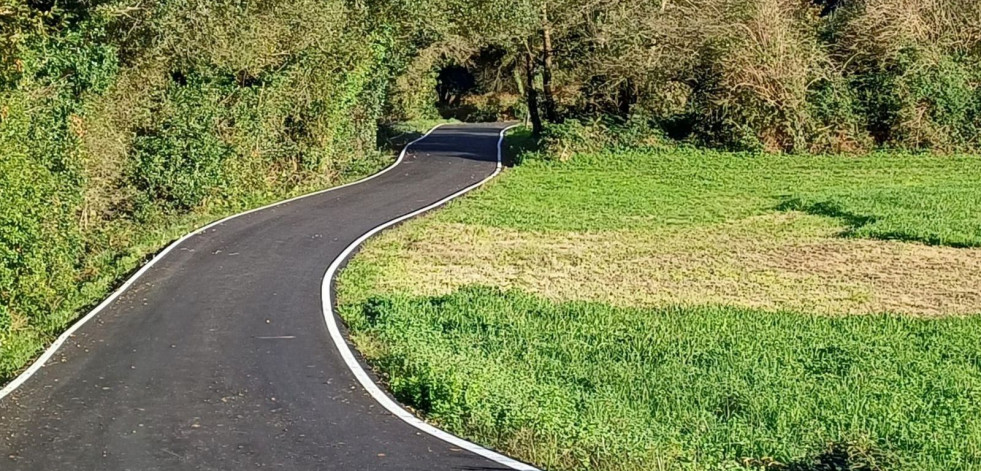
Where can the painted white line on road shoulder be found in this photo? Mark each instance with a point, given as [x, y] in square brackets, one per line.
[39, 363]
[355, 366]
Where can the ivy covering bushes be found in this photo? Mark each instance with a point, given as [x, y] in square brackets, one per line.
[123, 123]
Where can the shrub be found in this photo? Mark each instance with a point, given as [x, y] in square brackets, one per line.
[179, 162]
[39, 247]
[756, 77]
[914, 67]
[119, 119]
[839, 124]
[562, 141]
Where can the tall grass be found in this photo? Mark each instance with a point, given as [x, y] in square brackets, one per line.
[576, 386]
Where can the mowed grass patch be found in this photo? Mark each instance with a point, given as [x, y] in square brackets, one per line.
[812, 234]
[576, 386]
[780, 261]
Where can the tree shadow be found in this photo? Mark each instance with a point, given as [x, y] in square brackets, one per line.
[828, 7]
[519, 143]
[829, 209]
[393, 139]
[855, 222]
[840, 457]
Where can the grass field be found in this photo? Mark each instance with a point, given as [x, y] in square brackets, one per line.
[690, 310]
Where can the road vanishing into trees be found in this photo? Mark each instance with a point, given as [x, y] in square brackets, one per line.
[218, 356]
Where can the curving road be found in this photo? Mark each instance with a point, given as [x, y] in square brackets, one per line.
[218, 356]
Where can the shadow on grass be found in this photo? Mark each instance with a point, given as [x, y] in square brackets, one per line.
[855, 222]
[841, 457]
[831, 210]
[519, 143]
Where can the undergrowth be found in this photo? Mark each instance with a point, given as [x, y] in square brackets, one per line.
[125, 123]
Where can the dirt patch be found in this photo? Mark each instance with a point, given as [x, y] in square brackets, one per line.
[786, 261]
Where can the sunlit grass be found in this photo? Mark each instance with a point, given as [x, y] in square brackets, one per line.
[926, 198]
[588, 386]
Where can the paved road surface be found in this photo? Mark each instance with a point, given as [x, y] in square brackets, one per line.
[219, 358]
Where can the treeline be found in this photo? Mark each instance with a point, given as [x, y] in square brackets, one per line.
[777, 75]
[119, 117]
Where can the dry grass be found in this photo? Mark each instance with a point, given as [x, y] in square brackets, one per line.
[777, 262]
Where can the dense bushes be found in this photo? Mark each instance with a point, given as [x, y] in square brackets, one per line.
[41, 170]
[779, 75]
[179, 160]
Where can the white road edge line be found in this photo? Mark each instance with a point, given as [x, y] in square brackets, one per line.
[39, 363]
[362, 375]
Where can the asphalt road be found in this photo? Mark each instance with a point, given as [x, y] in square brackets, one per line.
[218, 357]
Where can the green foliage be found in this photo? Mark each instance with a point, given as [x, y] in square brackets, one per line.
[121, 121]
[413, 94]
[571, 137]
[835, 107]
[41, 176]
[938, 105]
[38, 244]
[589, 386]
[179, 162]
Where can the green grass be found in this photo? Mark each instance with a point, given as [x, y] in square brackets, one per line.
[576, 386]
[924, 198]
[589, 386]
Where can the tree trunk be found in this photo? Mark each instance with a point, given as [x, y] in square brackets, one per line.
[531, 94]
[627, 98]
[550, 109]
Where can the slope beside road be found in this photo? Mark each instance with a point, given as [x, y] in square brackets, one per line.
[218, 356]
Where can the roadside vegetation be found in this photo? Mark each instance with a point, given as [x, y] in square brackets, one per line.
[125, 124]
[740, 233]
[667, 307]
